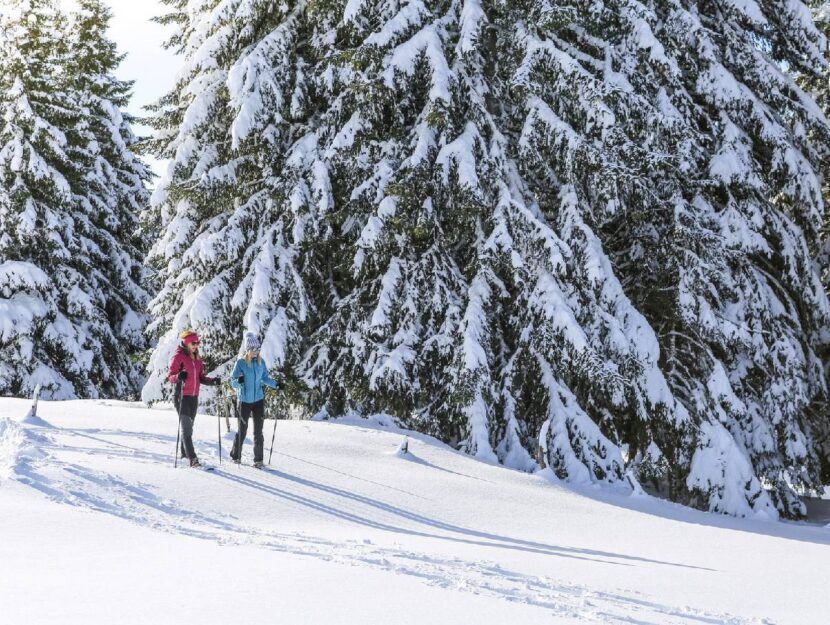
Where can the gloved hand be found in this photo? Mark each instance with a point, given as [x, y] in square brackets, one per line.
[241, 379]
[215, 381]
[182, 375]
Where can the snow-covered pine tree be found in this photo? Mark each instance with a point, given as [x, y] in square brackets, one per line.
[576, 234]
[239, 207]
[112, 195]
[58, 312]
[40, 344]
[714, 155]
[472, 315]
[405, 254]
[767, 325]
[818, 86]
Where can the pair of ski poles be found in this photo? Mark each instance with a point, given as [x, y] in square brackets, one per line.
[239, 443]
[177, 402]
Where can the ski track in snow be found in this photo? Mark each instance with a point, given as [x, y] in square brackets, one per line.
[37, 457]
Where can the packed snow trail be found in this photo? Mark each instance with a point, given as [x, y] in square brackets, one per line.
[343, 527]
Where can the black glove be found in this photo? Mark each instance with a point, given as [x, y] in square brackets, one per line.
[182, 375]
[215, 381]
[241, 379]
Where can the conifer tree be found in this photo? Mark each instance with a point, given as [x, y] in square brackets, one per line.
[717, 175]
[59, 238]
[112, 195]
[818, 87]
[233, 229]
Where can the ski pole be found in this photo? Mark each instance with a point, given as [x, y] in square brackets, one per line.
[226, 407]
[178, 434]
[177, 402]
[273, 436]
[238, 434]
[219, 436]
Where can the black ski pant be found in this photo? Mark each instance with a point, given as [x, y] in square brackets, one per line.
[187, 416]
[257, 410]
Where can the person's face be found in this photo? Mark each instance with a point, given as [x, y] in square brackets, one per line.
[192, 347]
[253, 353]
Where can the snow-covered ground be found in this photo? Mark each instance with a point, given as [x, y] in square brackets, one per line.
[96, 526]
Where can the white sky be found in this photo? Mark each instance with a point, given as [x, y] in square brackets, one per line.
[151, 67]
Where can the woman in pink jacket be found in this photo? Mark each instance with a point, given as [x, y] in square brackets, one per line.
[188, 367]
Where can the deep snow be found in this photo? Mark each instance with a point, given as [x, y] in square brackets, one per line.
[96, 526]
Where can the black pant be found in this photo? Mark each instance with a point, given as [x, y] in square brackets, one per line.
[187, 416]
[258, 411]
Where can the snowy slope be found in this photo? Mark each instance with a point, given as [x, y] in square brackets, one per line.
[98, 527]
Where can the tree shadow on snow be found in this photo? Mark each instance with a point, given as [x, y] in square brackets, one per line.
[101, 491]
[350, 475]
[410, 457]
[648, 504]
[461, 534]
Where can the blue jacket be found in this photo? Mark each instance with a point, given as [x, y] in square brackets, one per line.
[256, 375]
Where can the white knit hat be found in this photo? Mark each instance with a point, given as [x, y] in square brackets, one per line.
[251, 342]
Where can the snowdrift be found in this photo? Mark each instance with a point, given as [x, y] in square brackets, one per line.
[349, 527]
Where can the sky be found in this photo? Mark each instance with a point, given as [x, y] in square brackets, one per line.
[148, 64]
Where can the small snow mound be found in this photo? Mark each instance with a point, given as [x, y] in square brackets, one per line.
[403, 448]
[379, 420]
[31, 419]
[403, 453]
[17, 448]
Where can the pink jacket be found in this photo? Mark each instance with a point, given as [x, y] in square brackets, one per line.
[195, 372]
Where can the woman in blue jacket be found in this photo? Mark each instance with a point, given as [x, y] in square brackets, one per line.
[249, 376]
